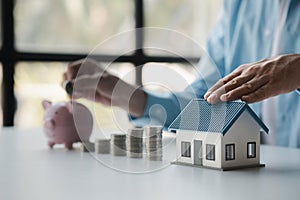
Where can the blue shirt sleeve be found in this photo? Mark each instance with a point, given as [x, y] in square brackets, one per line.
[163, 108]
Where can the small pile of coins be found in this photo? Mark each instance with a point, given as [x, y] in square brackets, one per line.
[134, 143]
[153, 136]
[130, 144]
[87, 147]
[102, 146]
[118, 145]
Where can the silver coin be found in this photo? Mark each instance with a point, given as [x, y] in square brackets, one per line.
[117, 151]
[153, 141]
[102, 140]
[155, 158]
[134, 155]
[102, 150]
[136, 132]
[153, 130]
[154, 152]
[87, 147]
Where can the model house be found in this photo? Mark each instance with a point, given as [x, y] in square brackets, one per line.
[223, 136]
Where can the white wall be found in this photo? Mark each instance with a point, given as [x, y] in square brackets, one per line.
[207, 138]
[244, 130]
[186, 136]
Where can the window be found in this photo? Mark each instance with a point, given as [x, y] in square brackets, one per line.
[86, 23]
[179, 76]
[1, 92]
[32, 86]
[1, 24]
[210, 152]
[251, 149]
[230, 151]
[34, 82]
[186, 17]
[73, 26]
[186, 149]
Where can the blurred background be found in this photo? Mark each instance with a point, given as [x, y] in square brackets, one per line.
[39, 38]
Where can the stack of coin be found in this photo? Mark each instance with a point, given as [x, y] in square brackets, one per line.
[87, 147]
[153, 136]
[102, 146]
[118, 144]
[134, 143]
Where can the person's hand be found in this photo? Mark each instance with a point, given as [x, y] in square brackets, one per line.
[91, 81]
[257, 81]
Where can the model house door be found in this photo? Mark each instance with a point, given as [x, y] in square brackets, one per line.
[197, 152]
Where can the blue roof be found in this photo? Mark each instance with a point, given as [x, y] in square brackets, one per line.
[199, 115]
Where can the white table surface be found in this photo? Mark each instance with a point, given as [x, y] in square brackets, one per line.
[29, 170]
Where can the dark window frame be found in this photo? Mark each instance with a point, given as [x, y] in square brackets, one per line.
[210, 152]
[9, 56]
[227, 156]
[186, 149]
[254, 148]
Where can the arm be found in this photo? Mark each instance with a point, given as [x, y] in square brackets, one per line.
[91, 81]
[161, 108]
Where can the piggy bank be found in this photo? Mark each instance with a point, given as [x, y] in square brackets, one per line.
[66, 123]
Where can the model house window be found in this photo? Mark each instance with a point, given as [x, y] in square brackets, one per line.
[210, 152]
[186, 149]
[251, 150]
[230, 151]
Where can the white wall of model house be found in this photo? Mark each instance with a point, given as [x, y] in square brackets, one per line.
[206, 138]
[245, 129]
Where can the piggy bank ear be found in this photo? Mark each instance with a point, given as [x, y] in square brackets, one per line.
[69, 107]
[46, 104]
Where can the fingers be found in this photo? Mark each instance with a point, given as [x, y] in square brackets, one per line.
[84, 67]
[65, 76]
[86, 70]
[86, 82]
[221, 83]
[90, 66]
[96, 83]
[244, 89]
[92, 96]
[229, 86]
[64, 79]
[259, 95]
[250, 82]
[72, 69]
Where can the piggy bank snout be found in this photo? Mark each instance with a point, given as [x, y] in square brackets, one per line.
[49, 123]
